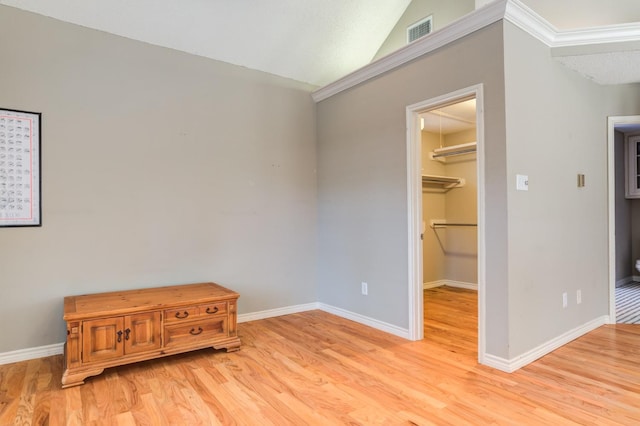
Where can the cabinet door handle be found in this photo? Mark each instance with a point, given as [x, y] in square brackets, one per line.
[183, 316]
[194, 332]
[119, 333]
[126, 333]
[209, 311]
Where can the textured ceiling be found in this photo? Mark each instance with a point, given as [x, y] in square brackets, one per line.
[313, 41]
[572, 14]
[606, 68]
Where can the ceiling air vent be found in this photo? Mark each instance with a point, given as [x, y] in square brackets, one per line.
[419, 29]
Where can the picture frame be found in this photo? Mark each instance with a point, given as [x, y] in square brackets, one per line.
[20, 168]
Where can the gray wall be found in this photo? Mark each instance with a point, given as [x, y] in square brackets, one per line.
[444, 12]
[158, 168]
[362, 188]
[556, 128]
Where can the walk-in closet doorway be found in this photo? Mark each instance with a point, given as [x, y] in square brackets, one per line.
[450, 220]
[446, 214]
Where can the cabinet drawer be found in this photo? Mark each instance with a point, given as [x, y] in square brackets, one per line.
[180, 314]
[193, 332]
[213, 309]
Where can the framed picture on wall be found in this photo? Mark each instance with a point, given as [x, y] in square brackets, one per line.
[20, 135]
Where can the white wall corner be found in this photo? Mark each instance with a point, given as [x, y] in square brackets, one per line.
[474, 21]
[513, 364]
[526, 19]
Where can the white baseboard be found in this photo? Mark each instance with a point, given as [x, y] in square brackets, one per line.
[451, 283]
[58, 348]
[507, 365]
[270, 313]
[511, 365]
[624, 281]
[371, 322]
[433, 284]
[31, 353]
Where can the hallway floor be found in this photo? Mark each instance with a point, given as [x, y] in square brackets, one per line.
[628, 303]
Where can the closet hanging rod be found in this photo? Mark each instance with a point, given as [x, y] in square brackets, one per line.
[444, 225]
[460, 152]
[465, 148]
[441, 179]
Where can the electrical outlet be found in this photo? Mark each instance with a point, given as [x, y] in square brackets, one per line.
[522, 182]
[365, 289]
[579, 297]
[564, 300]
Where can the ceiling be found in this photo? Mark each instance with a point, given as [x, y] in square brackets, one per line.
[312, 41]
[572, 14]
[451, 118]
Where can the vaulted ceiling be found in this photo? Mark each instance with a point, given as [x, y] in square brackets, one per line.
[313, 41]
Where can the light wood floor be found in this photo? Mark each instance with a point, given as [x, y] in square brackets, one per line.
[316, 368]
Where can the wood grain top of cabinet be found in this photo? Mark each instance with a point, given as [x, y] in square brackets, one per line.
[161, 298]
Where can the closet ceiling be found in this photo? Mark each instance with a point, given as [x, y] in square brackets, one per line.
[312, 41]
[451, 118]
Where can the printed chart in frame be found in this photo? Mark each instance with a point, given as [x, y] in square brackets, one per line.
[19, 168]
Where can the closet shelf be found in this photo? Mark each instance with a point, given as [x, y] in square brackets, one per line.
[447, 151]
[442, 223]
[442, 182]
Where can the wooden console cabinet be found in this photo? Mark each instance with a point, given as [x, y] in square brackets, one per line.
[110, 329]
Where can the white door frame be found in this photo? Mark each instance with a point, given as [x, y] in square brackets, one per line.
[414, 197]
[612, 122]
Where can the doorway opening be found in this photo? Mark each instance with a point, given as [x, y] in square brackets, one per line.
[624, 219]
[445, 157]
[449, 217]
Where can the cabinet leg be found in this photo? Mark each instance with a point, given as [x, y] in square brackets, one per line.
[230, 345]
[75, 378]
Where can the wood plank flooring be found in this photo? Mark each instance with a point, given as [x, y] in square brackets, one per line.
[318, 369]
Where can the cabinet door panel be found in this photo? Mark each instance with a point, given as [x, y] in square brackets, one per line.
[632, 167]
[142, 332]
[102, 339]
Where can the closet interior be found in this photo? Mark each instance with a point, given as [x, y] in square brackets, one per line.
[449, 196]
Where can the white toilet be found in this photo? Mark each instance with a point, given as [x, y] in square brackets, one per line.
[638, 265]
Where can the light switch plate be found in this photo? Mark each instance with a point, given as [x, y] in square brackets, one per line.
[522, 182]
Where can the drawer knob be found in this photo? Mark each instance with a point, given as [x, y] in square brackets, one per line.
[194, 332]
[209, 311]
[183, 316]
